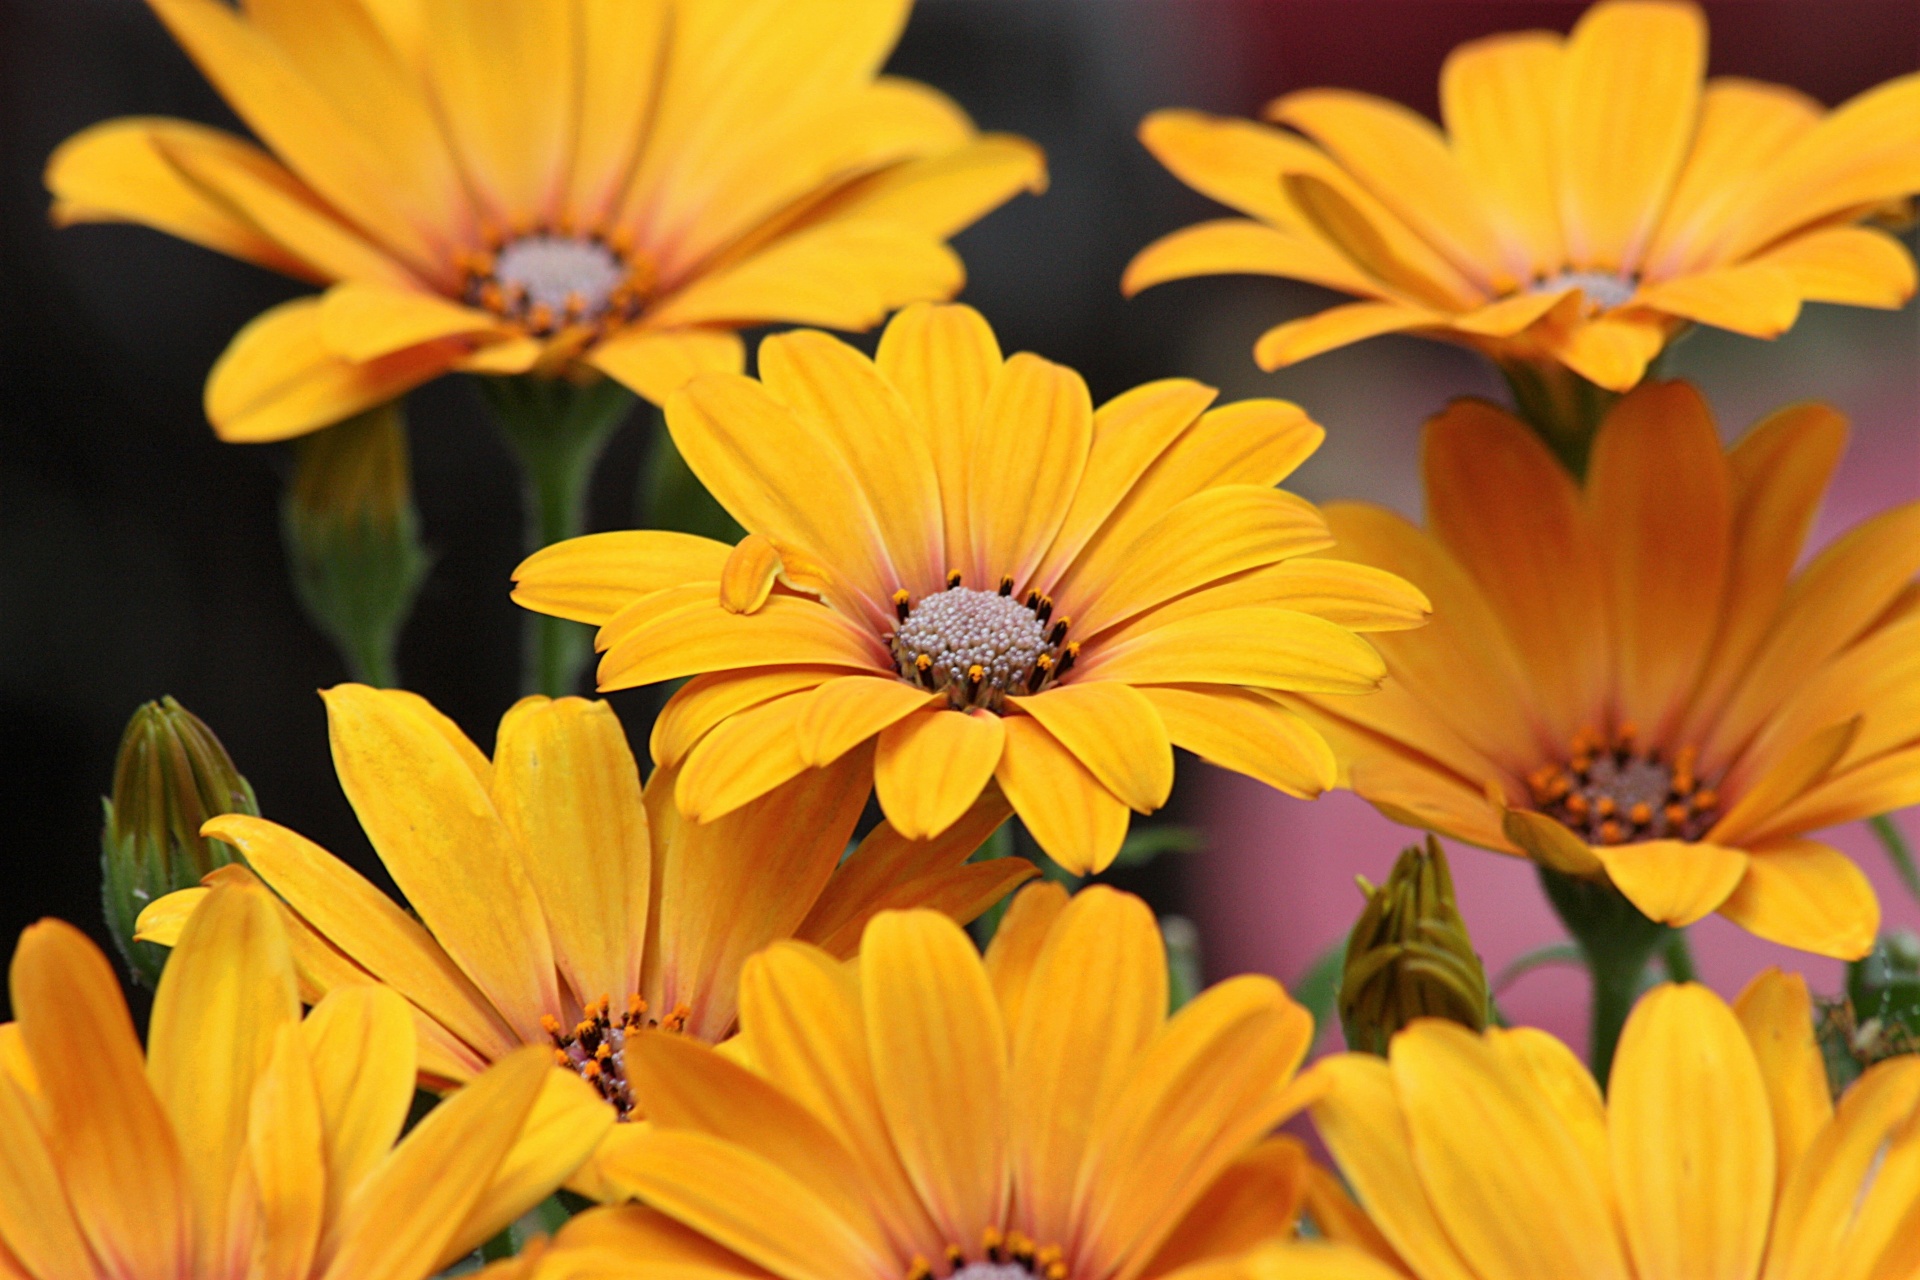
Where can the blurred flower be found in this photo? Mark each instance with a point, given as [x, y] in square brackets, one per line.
[250, 1143]
[1716, 1151]
[1409, 955]
[928, 1114]
[1630, 681]
[959, 556]
[172, 774]
[1588, 198]
[560, 906]
[556, 186]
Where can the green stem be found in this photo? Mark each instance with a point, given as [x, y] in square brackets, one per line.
[558, 430]
[1563, 408]
[1617, 942]
[1677, 957]
[1899, 852]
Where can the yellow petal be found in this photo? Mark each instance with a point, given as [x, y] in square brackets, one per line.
[1659, 493]
[1547, 841]
[1340, 326]
[1403, 160]
[1029, 453]
[402, 1217]
[1510, 315]
[1505, 1175]
[367, 926]
[655, 363]
[277, 379]
[37, 1224]
[1237, 246]
[1079, 823]
[1209, 1084]
[227, 991]
[841, 275]
[1807, 895]
[567, 1122]
[1361, 1119]
[1566, 1084]
[941, 195]
[1115, 731]
[360, 1061]
[1255, 1201]
[1095, 1000]
[1499, 99]
[1017, 944]
[116, 171]
[1263, 648]
[706, 701]
[286, 1148]
[747, 578]
[361, 320]
[121, 1165]
[593, 578]
[1857, 266]
[785, 631]
[1693, 1147]
[728, 887]
[742, 759]
[621, 49]
[1510, 515]
[1248, 733]
[845, 711]
[1674, 881]
[932, 765]
[567, 787]
[943, 360]
[859, 413]
[1236, 162]
[1759, 300]
[801, 1013]
[161, 920]
[1629, 97]
[438, 834]
[888, 872]
[1611, 351]
[1776, 1013]
[1786, 773]
[940, 1064]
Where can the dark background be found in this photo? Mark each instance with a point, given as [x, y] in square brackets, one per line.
[139, 556]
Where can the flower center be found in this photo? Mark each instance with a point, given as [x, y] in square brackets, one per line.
[1616, 793]
[597, 1046]
[548, 279]
[1002, 1256]
[1603, 288]
[980, 646]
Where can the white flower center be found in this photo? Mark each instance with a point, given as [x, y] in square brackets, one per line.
[1603, 288]
[980, 646]
[553, 270]
[992, 1271]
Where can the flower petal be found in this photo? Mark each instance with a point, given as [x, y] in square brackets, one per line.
[941, 195]
[1238, 246]
[1777, 1015]
[566, 1124]
[1351, 322]
[845, 711]
[361, 320]
[655, 363]
[361, 1059]
[1757, 299]
[1017, 944]
[1114, 731]
[1806, 895]
[746, 756]
[785, 631]
[1079, 823]
[1674, 881]
[1612, 351]
[1692, 1136]
[37, 1224]
[1262, 648]
[591, 579]
[932, 765]
[286, 1151]
[1029, 452]
[1247, 733]
[1856, 266]
[1499, 97]
[705, 702]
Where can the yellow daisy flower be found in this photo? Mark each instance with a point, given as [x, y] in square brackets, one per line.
[560, 186]
[1629, 680]
[1717, 1153]
[560, 905]
[250, 1143]
[930, 1114]
[957, 555]
[1589, 197]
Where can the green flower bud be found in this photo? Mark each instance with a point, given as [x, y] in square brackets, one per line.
[1878, 1017]
[171, 776]
[353, 541]
[1409, 955]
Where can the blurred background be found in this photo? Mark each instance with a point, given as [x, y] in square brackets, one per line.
[140, 557]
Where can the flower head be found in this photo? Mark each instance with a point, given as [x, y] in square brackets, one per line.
[1589, 198]
[251, 1142]
[1015, 593]
[556, 186]
[930, 1114]
[1629, 679]
[559, 905]
[1717, 1151]
[1409, 955]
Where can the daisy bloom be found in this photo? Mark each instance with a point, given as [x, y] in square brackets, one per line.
[574, 187]
[930, 1114]
[560, 905]
[251, 1143]
[1628, 679]
[1717, 1154]
[1588, 199]
[1013, 592]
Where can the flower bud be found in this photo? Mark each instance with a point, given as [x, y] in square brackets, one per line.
[1409, 955]
[172, 775]
[1878, 1017]
[352, 535]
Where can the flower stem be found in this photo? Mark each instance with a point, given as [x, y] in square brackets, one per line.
[1617, 942]
[1563, 408]
[557, 429]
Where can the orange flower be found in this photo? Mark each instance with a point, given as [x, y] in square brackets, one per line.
[1588, 198]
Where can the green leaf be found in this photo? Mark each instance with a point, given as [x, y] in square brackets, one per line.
[1144, 844]
[1184, 977]
[1538, 958]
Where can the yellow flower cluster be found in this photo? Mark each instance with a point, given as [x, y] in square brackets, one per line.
[724, 1024]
